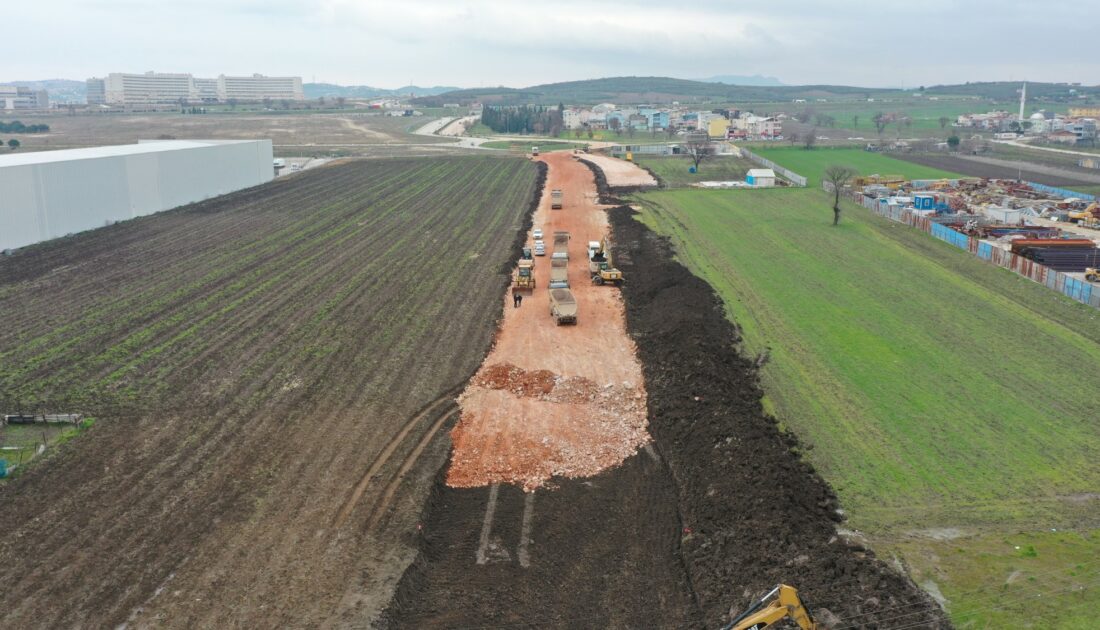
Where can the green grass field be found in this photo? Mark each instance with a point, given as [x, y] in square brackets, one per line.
[932, 390]
[525, 145]
[813, 163]
[673, 170]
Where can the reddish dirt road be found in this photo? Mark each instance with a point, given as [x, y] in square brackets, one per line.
[555, 400]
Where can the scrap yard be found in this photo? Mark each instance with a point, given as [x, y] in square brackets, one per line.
[1047, 234]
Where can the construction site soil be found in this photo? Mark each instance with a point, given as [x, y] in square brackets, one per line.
[710, 516]
[272, 372]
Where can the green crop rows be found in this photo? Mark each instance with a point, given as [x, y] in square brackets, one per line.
[932, 390]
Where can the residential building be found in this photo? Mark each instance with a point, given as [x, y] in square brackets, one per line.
[574, 118]
[657, 119]
[14, 97]
[1084, 112]
[751, 126]
[258, 87]
[718, 127]
[1063, 137]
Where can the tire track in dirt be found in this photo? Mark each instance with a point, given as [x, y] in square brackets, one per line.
[431, 410]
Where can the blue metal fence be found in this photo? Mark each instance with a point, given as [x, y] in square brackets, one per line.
[945, 233]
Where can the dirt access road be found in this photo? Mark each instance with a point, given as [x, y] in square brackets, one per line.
[555, 400]
[596, 546]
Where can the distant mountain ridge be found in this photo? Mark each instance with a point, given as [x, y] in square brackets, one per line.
[658, 90]
[332, 90]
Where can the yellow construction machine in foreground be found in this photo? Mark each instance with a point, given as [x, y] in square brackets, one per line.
[781, 603]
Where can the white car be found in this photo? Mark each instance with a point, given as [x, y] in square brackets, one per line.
[540, 248]
[537, 234]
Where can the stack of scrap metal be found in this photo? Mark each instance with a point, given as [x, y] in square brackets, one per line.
[1060, 254]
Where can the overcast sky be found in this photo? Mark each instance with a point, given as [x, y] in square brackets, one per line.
[519, 43]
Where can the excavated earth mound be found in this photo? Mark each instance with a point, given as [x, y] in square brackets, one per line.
[754, 514]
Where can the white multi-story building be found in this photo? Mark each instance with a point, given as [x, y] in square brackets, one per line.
[14, 97]
[753, 126]
[123, 88]
[96, 91]
[258, 87]
[204, 90]
[120, 88]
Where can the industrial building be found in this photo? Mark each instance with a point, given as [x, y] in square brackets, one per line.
[50, 194]
[13, 97]
[151, 88]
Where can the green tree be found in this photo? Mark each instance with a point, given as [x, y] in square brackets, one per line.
[13, 144]
[943, 122]
[953, 142]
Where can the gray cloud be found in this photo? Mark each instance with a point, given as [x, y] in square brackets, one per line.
[491, 42]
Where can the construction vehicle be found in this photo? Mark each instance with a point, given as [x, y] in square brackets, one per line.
[555, 199]
[559, 274]
[525, 275]
[1092, 274]
[534, 151]
[1087, 215]
[599, 265]
[525, 254]
[781, 603]
[561, 244]
[563, 306]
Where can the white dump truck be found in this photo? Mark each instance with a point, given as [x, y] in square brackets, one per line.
[555, 199]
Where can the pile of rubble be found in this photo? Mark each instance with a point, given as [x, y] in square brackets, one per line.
[531, 426]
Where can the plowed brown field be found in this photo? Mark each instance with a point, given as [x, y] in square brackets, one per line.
[268, 370]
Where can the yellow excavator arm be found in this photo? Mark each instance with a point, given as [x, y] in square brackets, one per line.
[781, 603]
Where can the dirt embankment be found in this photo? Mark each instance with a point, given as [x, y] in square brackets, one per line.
[754, 514]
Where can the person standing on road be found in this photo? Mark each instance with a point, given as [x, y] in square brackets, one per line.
[516, 297]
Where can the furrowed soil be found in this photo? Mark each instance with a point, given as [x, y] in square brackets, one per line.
[707, 518]
[273, 373]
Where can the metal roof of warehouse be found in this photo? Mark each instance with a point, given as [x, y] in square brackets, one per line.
[65, 155]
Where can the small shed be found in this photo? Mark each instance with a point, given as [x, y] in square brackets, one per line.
[1007, 216]
[760, 177]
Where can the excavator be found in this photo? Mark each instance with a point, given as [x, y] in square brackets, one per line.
[781, 603]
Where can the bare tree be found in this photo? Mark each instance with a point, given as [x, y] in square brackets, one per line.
[810, 139]
[880, 120]
[838, 176]
[698, 148]
[630, 130]
[793, 137]
[670, 131]
[615, 125]
[577, 132]
[855, 121]
[943, 122]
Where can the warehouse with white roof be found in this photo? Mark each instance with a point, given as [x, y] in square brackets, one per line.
[50, 194]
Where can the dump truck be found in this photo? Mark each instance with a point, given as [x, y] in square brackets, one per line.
[525, 275]
[1092, 274]
[559, 273]
[555, 199]
[563, 306]
[534, 151]
[561, 244]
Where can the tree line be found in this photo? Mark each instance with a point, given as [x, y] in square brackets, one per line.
[535, 119]
[17, 127]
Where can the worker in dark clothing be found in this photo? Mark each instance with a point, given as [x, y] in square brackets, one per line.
[516, 299]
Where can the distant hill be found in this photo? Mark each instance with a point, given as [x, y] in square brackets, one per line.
[740, 79]
[331, 90]
[642, 90]
[1010, 90]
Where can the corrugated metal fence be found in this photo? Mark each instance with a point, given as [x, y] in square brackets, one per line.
[793, 177]
[1079, 290]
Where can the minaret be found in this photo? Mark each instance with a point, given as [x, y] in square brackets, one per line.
[1023, 97]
